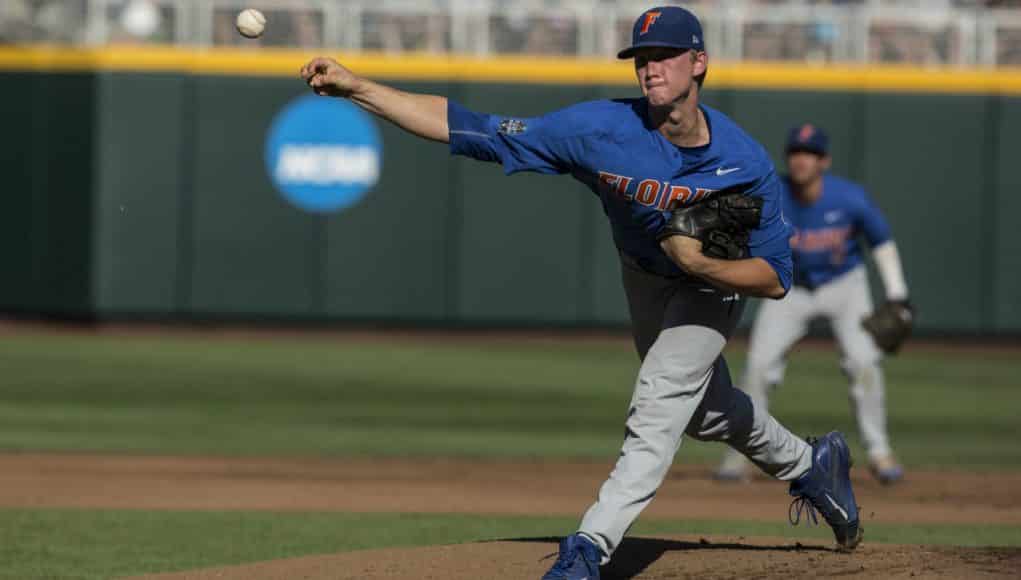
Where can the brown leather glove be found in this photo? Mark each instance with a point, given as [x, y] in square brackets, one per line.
[890, 324]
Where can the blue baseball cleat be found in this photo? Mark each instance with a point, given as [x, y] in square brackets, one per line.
[579, 560]
[827, 488]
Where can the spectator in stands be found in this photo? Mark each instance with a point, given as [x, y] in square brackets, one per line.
[534, 34]
[60, 21]
[552, 35]
[406, 32]
[768, 41]
[15, 21]
[1008, 47]
[140, 21]
[913, 44]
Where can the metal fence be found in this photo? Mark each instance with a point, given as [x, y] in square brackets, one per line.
[920, 32]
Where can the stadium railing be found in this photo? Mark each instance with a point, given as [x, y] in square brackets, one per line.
[919, 33]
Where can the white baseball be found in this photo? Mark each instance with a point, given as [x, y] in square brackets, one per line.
[250, 23]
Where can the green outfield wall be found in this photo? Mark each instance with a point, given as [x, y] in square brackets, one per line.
[141, 191]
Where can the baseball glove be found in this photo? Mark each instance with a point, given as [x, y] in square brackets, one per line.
[890, 324]
[721, 223]
[724, 245]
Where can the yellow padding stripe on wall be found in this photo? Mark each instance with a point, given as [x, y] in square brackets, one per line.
[507, 69]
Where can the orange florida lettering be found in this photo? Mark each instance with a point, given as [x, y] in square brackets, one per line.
[648, 191]
[824, 239]
[619, 183]
[651, 192]
[700, 194]
[675, 197]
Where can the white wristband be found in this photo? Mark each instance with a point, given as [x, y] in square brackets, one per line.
[890, 270]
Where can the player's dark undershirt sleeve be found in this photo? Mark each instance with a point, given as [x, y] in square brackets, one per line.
[771, 241]
[547, 144]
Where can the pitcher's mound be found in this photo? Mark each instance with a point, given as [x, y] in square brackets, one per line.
[681, 557]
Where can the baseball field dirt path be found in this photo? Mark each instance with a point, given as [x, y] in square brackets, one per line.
[712, 557]
[523, 488]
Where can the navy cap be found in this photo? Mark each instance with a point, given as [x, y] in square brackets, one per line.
[809, 138]
[666, 26]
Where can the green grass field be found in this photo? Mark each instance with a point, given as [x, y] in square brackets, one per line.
[314, 396]
[402, 397]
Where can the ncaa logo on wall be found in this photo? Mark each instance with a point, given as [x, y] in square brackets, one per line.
[323, 154]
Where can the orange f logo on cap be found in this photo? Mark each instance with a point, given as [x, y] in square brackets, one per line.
[650, 17]
[806, 133]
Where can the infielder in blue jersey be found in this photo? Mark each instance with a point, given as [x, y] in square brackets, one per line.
[829, 215]
[664, 167]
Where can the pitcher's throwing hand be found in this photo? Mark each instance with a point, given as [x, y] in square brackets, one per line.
[327, 77]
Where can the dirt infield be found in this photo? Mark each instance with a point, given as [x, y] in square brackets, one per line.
[522, 487]
[680, 557]
[366, 332]
[461, 486]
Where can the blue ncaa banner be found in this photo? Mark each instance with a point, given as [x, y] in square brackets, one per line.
[323, 154]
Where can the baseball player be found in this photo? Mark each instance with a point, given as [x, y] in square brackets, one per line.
[829, 214]
[694, 207]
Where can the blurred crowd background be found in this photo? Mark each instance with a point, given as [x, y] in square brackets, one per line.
[918, 32]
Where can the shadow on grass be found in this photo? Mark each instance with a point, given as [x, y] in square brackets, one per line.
[636, 554]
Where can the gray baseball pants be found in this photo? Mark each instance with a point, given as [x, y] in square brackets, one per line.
[683, 387]
[844, 301]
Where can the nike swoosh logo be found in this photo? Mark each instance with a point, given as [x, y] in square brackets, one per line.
[839, 509]
[722, 171]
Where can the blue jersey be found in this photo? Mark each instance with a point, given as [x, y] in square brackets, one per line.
[640, 176]
[825, 241]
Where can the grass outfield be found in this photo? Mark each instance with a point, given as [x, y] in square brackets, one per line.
[405, 397]
[87, 544]
[452, 397]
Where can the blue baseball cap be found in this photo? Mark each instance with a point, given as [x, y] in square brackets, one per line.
[666, 26]
[808, 137]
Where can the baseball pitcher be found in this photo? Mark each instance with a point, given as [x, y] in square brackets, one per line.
[829, 215]
[694, 205]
